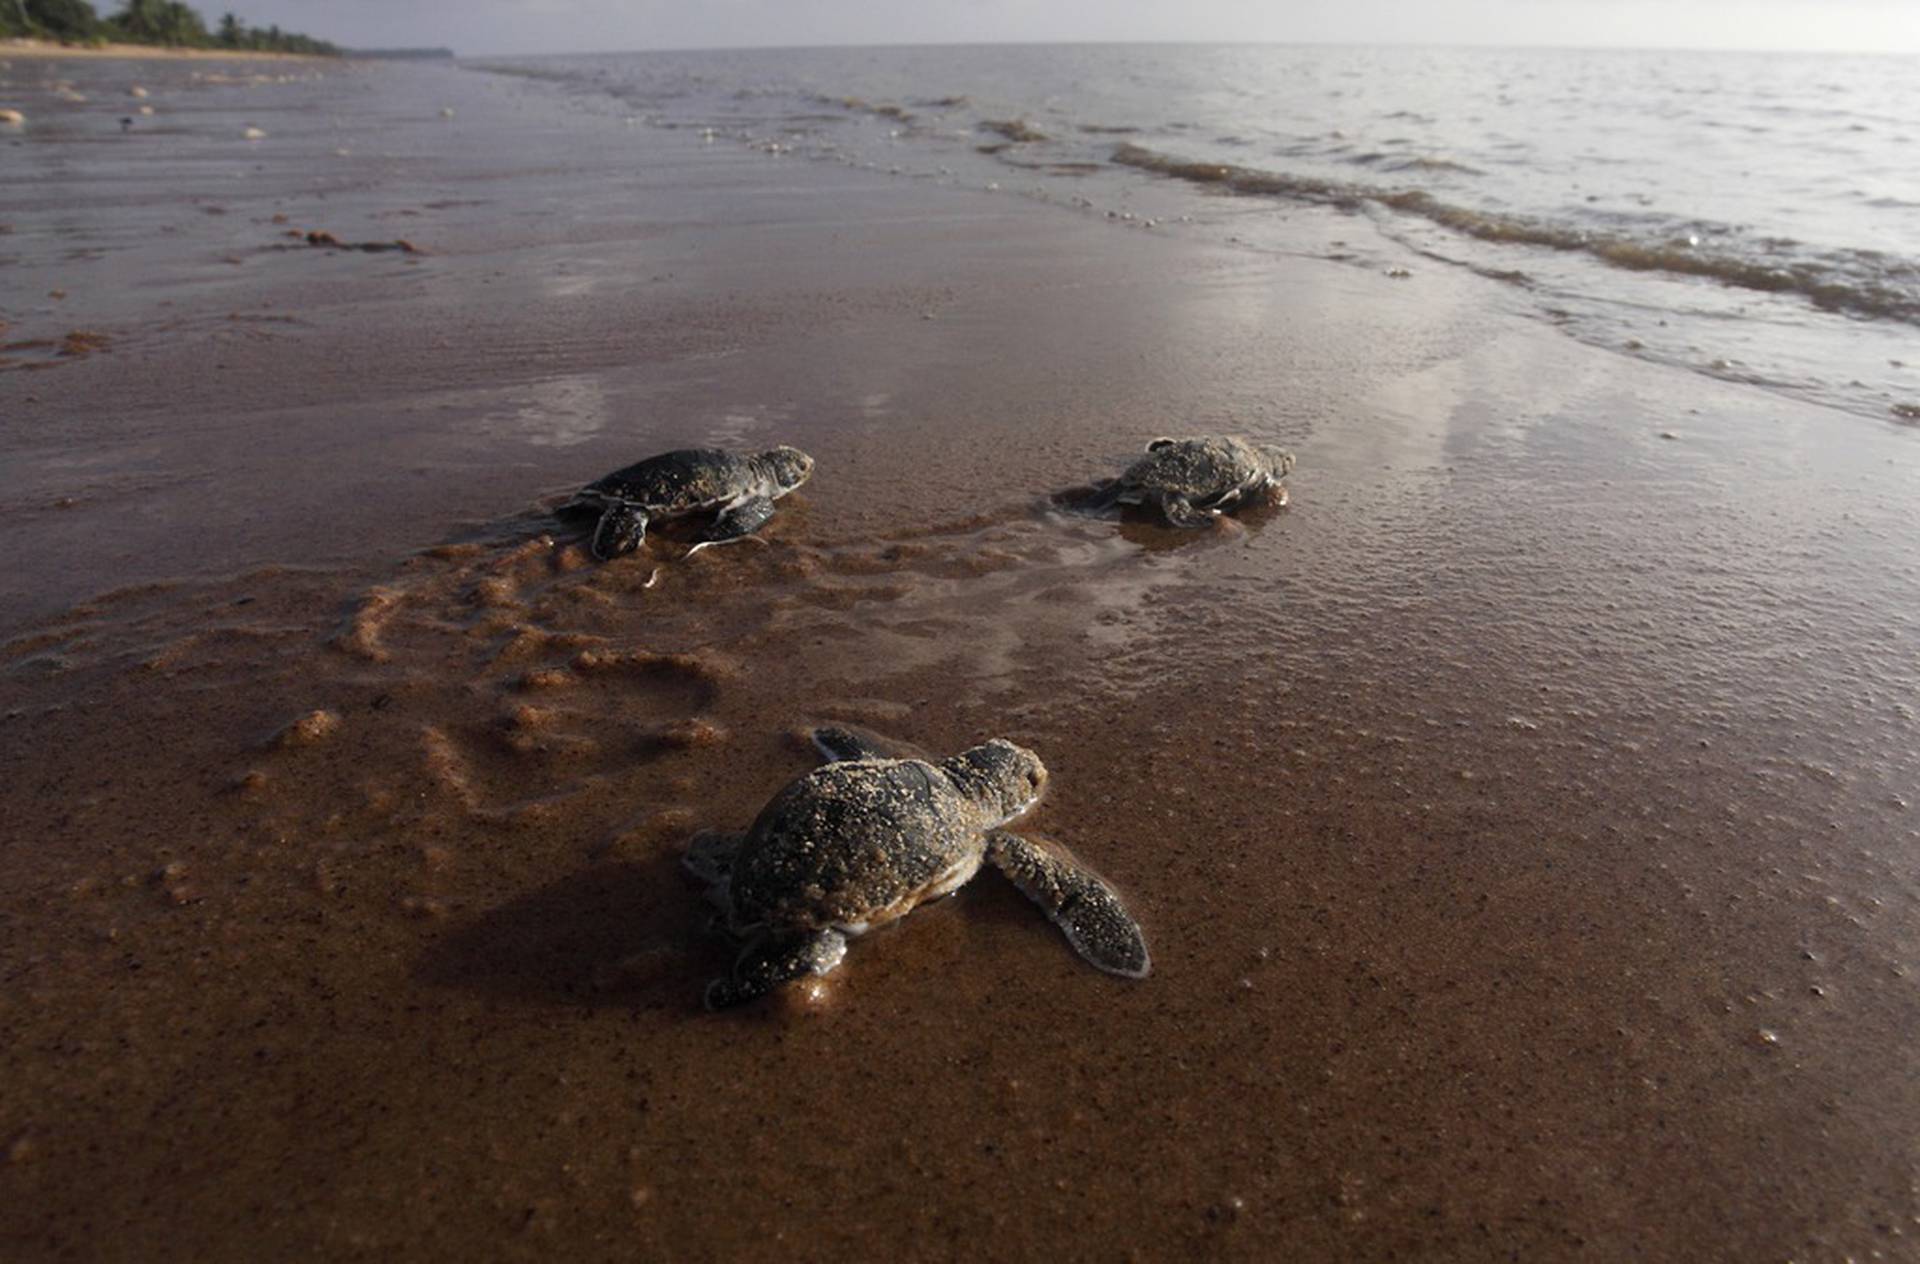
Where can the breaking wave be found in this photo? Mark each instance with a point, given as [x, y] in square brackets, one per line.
[1858, 282]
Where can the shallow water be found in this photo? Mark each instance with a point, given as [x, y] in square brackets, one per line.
[1521, 820]
[1745, 215]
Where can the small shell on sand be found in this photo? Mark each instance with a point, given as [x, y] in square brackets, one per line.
[254, 133]
[12, 118]
[147, 110]
[137, 92]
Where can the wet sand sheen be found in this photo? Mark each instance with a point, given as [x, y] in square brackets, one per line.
[1519, 821]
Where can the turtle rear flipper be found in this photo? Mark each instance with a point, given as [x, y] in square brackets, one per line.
[768, 962]
[736, 522]
[1096, 498]
[622, 529]
[1080, 903]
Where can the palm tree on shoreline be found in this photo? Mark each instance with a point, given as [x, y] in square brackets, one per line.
[166, 22]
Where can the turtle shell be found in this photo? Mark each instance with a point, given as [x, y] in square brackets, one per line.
[1198, 469]
[684, 480]
[854, 844]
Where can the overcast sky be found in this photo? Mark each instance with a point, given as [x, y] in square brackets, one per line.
[554, 26]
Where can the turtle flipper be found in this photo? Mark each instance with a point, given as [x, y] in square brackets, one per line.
[768, 962]
[1096, 498]
[1227, 501]
[736, 522]
[1181, 513]
[582, 505]
[622, 529]
[710, 854]
[1081, 904]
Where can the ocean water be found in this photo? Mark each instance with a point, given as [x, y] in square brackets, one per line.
[1750, 216]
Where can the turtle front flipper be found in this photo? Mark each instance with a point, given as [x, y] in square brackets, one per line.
[622, 529]
[1227, 501]
[736, 522]
[1181, 513]
[769, 961]
[709, 856]
[1079, 901]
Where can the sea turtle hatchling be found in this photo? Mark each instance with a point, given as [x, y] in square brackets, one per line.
[1194, 481]
[737, 488]
[862, 840]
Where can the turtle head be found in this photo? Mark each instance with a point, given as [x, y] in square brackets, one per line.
[1004, 780]
[789, 467]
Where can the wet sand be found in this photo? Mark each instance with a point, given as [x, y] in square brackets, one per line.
[1521, 820]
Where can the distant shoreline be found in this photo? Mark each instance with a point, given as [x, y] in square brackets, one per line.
[150, 52]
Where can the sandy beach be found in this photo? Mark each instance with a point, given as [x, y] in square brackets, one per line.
[1521, 820]
[139, 52]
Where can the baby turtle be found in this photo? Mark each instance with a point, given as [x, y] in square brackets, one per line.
[1194, 481]
[861, 841]
[737, 488]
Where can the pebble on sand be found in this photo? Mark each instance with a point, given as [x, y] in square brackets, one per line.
[137, 92]
[254, 133]
[12, 118]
